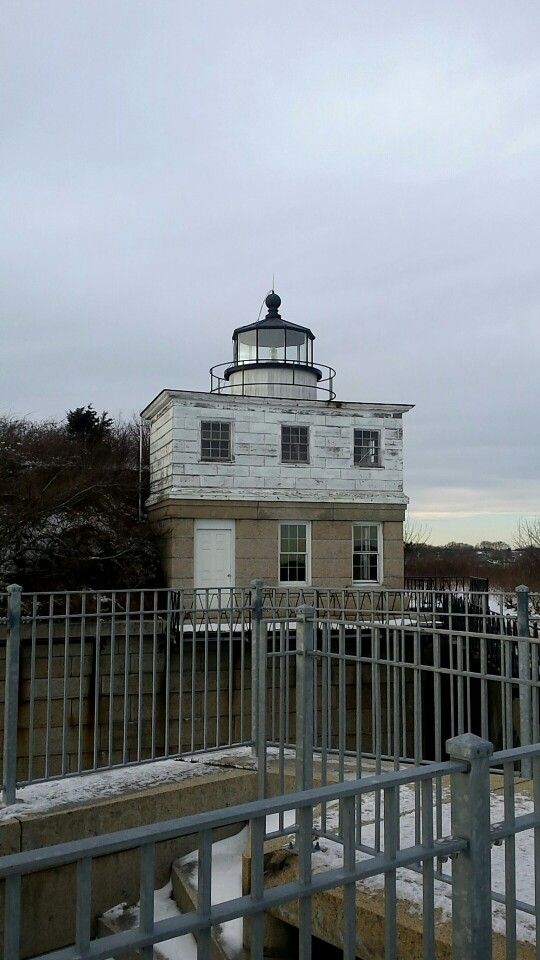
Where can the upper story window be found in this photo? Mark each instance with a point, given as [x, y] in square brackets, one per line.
[216, 440]
[294, 444]
[367, 448]
[367, 558]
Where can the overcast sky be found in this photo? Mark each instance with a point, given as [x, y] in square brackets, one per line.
[160, 160]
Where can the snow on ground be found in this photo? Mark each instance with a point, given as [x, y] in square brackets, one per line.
[178, 948]
[227, 876]
[89, 787]
[409, 883]
[227, 870]
[226, 883]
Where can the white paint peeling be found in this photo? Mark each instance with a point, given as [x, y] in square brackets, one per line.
[256, 470]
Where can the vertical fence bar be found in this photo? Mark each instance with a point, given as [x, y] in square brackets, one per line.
[204, 936]
[428, 889]
[524, 670]
[80, 722]
[166, 740]
[536, 842]
[510, 861]
[258, 686]
[256, 615]
[127, 634]
[349, 892]
[11, 703]
[50, 651]
[305, 642]
[12, 916]
[67, 626]
[32, 689]
[256, 938]
[84, 905]
[305, 824]
[97, 681]
[391, 841]
[147, 870]
[471, 871]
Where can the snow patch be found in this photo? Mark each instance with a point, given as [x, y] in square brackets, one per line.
[89, 787]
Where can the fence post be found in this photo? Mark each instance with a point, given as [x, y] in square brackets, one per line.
[471, 870]
[11, 699]
[305, 645]
[258, 685]
[524, 671]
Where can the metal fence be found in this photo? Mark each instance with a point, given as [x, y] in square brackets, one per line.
[489, 611]
[95, 680]
[471, 835]
[392, 691]
[101, 679]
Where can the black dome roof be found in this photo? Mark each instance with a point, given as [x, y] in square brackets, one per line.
[273, 319]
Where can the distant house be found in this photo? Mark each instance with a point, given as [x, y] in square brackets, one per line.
[267, 475]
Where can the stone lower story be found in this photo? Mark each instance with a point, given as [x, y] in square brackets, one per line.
[256, 539]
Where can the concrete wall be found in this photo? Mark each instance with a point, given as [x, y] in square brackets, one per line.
[80, 728]
[256, 471]
[257, 531]
[49, 897]
[96, 721]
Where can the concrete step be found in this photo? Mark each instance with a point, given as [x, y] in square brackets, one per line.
[183, 879]
[117, 921]
[231, 941]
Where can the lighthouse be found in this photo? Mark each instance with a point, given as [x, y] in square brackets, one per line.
[273, 358]
[266, 475]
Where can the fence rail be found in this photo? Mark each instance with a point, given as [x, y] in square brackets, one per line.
[468, 843]
[363, 698]
[95, 680]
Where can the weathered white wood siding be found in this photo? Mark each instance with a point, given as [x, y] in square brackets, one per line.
[256, 472]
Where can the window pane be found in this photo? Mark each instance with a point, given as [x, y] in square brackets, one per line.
[293, 559]
[296, 345]
[365, 537]
[247, 346]
[271, 344]
[366, 552]
[294, 444]
[367, 448]
[215, 440]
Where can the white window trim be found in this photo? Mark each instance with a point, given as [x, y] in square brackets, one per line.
[214, 419]
[296, 583]
[370, 466]
[295, 463]
[380, 542]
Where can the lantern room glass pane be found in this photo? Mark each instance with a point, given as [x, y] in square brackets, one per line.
[247, 346]
[297, 346]
[271, 344]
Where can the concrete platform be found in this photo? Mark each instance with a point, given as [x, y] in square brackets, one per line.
[101, 803]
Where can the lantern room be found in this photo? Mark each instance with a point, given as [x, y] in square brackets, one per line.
[273, 358]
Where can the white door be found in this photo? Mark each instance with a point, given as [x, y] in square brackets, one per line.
[214, 553]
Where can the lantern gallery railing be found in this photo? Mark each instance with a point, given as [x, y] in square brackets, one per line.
[293, 376]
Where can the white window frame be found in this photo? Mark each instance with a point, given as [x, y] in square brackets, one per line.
[369, 466]
[211, 419]
[295, 463]
[296, 583]
[380, 558]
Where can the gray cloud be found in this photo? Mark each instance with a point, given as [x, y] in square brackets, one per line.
[160, 161]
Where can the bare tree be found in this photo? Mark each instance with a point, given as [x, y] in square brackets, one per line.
[416, 533]
[528, 534]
